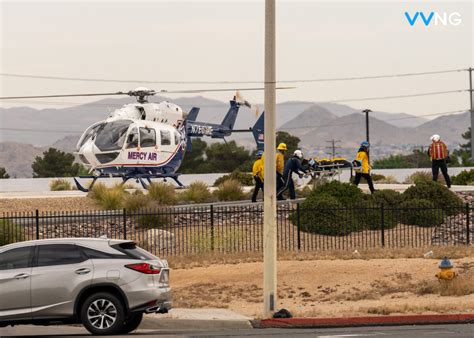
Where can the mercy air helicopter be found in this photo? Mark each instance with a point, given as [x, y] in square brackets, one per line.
[146, 140]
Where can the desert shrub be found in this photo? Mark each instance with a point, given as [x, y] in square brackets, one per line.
[421, 212]
[108, 198]
[344, 193]
[324, 214]
[245, 179]
[423, 176]
[439, 195]
[60, 184]
[9, 232]
[229, 190]
[388, 197]
[135, 201]
[465, 177]
[197, 192]
[163, 193]
[389, 179]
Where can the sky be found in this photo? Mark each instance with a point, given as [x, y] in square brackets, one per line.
[224, 41]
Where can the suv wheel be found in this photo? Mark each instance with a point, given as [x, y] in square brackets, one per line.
[132, 323]
[102, 313]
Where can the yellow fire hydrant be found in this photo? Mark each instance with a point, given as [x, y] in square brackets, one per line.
[446, 271]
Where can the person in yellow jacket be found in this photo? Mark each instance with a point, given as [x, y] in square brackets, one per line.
[362, 167]
[257, 172]
[280, 166]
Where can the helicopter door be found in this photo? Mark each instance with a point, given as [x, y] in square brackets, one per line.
[132, 139]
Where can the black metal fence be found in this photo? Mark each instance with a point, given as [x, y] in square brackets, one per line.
[191, 230]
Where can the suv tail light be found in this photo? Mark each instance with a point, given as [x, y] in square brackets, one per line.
[146, 268]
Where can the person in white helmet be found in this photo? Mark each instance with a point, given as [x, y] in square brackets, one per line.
[439, 154]
[293, 165]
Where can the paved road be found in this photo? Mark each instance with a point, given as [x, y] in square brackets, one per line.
[441, 331]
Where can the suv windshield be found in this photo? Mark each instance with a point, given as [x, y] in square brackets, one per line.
[111, 136]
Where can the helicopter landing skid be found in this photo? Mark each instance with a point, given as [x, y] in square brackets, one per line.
[139, 178]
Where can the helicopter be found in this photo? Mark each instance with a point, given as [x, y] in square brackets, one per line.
[146, 140]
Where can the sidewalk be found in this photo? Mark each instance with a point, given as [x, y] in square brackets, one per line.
[365, 321]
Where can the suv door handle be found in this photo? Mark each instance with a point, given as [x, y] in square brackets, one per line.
[82, 271]
[21, 276]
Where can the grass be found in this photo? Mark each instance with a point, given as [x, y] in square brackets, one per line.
[135, 201]
[163, 193]
[60, 184]
[229, 190]
[197, 192]
[108, 198]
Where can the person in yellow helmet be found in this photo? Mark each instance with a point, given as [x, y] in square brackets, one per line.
[257, 172]
[280, 166]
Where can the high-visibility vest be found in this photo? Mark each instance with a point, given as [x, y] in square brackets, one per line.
[438, 150]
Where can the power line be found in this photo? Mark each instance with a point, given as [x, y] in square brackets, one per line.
[373, 98]
[351, 78]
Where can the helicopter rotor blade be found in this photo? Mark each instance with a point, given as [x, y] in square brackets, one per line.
[60, 95]
[191, 91]
[253, 107]
[140, 92]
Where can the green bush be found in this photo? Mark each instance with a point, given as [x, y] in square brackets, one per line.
[245, 179]
[229, 190]
[344, 193]
[196, 192]
[9, 233]
[439, 195]
[421, 212]
[423, 176]
[60, 184]
[465, 177]
[388, 197]
[324, 214]
[163, 193]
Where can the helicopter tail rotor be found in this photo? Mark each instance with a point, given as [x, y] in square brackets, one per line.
[241, 100]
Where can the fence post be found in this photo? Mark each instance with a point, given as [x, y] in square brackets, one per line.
[124, 223]
[212, 227]
[298, 225]
[382, 223]
[468, 223]
[37, 223]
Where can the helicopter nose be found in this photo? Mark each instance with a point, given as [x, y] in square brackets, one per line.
[86, 154]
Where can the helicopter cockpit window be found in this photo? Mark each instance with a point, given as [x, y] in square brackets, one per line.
[147, 137]
[89, 133]
[165, 137]
[111, 136]
[132, 139]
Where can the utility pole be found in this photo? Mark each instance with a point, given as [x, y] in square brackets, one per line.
[367, 135]
[332, 147]
[472, 112]
[269, 192]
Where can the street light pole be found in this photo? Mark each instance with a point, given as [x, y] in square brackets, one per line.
[269, 192]
[472, 112]
[367, 134]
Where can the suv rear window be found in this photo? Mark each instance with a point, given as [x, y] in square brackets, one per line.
[133, 251]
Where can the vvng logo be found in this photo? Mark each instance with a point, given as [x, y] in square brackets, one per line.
[443, 19]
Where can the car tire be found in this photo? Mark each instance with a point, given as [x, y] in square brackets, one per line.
[132, 323]
[103, 314]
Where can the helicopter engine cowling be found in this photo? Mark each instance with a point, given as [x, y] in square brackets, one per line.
[163, 112]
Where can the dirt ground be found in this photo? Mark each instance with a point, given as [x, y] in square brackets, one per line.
[351, 287]
[47, 204]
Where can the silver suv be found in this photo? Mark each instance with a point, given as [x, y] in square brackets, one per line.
[107, 285]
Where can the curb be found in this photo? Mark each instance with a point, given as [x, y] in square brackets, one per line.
[193, 324]
[364, 321]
